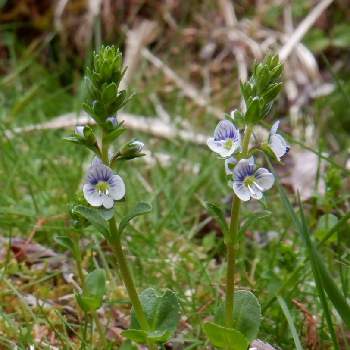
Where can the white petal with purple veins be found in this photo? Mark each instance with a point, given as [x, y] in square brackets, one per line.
[91, 195]
[264, 179]
[255, 192]
[107, 201]
[278, 145]
[241, 191]
[117, 187]
[244, 168]
[274, 127]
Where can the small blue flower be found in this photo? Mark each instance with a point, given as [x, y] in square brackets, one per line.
[250, 183]
[113, 120]
[102, 187]
[226, 140]
[277, 143]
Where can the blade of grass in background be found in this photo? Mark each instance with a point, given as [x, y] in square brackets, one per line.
[290, 321]
[319, 273]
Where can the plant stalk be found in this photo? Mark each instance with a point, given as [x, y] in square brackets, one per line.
[126, 275]
[116, 244]
[231, 245]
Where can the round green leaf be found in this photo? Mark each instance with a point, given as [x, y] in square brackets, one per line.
[246, 314]
[162, 311]
[223, 337]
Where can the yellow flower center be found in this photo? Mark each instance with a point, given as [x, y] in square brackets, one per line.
[228, 144]
[102, 187]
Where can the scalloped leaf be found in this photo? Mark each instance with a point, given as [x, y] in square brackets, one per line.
[246, 314]
[228, 338]
[162, 311]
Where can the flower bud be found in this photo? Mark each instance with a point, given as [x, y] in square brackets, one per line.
[131, 150]
[86, 134]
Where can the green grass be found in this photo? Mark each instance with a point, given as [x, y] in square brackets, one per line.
[40, 175]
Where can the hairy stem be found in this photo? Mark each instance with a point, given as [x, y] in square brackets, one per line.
[231, 245]
[126, 275]
[116, 244]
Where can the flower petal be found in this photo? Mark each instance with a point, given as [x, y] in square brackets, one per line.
[274, 127]
[255, 192]
[244, 168]
[215, 146]
[264, 179]
[117, 187]
[91, 195]
[278, 145]
[241, 191]
[219, 147]
[226, 130]
[107, 201]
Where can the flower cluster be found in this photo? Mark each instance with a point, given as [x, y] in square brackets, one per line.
[258, 93]
[246, 181]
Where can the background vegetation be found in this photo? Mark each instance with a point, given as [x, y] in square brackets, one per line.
[185, 73]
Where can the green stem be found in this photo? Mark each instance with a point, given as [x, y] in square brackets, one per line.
[126, 275]
[80, 271]
[104, 151]
[100, 330]
[231, 243]
[231, 260]
[121, 260]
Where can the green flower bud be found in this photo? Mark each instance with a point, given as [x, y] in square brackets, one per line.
[131, 150]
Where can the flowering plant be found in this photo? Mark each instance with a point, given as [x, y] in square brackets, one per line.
[238, 319]
[154, 314]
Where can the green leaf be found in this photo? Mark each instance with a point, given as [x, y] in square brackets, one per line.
[69, 244]
[93, 291]
[253, 112]
[316, 40]
[271, 93]
[218, 214]
[127, 345]
[65, 242]
[341, 35]
[162, 311]
[141, 208]
[246, 314]
[109, 93]
[112, 135]
[95, 283]
[137, 335]
[223, 337]
[95, 218]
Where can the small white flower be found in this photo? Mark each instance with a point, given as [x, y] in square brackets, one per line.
[102, 187]
[277, 143]
[250, 183]
[226, 140]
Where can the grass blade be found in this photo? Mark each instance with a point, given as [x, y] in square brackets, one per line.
[316, 261]
[290, 321]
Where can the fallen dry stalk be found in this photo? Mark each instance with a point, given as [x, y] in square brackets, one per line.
[303, 28]
[188, 90]
[153, 126]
